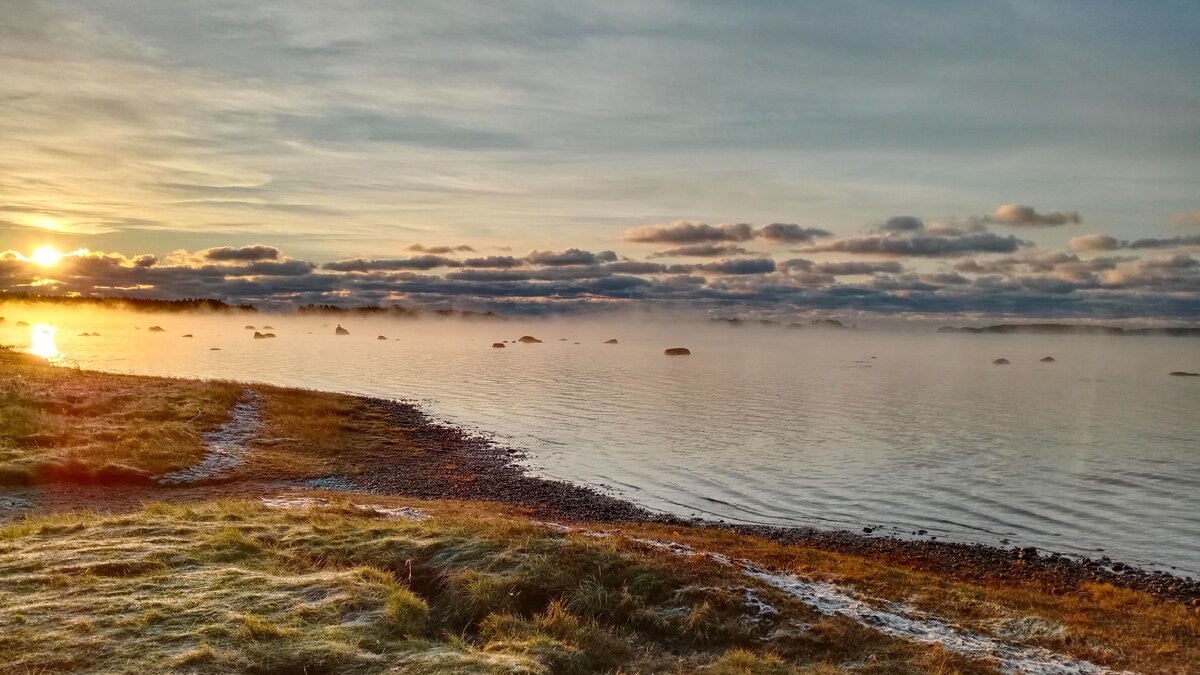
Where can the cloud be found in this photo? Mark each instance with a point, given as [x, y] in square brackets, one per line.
[838, 269]
[634, 267]
[789, 233]
[730, 266]
[699, 251]
[498, 261]
[421, 262]
[1019, 215]
[686, 232]
[571, 256]
[241, 254]
[1094, 242]
[903, 224]
[441, 250]
[930, 246]
[1104, 242]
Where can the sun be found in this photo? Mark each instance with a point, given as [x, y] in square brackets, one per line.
[45, 255]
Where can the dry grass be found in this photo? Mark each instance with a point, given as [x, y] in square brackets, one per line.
[234, 586]
[63, 425]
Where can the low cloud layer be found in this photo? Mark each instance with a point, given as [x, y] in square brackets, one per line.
[1104, 242]
[1019, 215]
[920, 245]
[920, 273]
[687, 232]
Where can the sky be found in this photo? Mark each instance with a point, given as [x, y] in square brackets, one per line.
[1002, 158]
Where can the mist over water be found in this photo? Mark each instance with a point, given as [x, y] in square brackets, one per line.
[899, 430]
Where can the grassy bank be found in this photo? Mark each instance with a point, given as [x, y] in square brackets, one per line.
[220, 585]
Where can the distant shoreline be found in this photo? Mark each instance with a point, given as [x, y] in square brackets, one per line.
[1074, 329]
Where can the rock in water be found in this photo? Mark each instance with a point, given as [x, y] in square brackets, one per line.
[497, 345]
[268, 335]
[678, 351]
[248, 327]
[95, 335]
[611, 342]
[341, 331]
[187, 335]
[268, 328]
[381, 337]
[1183, 373]
[1001, 362]
[259, 336]
[1047, 359]
[156, 329]
[529, 340]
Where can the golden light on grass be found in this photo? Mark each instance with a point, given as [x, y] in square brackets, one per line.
[42, 342]
[45, 256]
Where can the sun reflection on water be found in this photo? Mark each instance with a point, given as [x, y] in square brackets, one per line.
[41, 341]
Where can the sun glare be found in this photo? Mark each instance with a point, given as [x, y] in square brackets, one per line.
[45, 255]
[41, 342]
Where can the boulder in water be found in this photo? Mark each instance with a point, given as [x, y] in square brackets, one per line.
[259, 336]
[1000, 362]
[156, 329]
[611, 342]
[497, 345]
[1047, 359]
[1183, 373]
[341, 331]
[381, 337]
[678, 351]
[529, 340]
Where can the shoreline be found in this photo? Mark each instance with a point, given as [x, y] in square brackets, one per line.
[456, 464]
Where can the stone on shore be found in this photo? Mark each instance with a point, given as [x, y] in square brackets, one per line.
[678, 351]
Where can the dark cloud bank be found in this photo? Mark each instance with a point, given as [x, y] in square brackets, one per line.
[906, 267]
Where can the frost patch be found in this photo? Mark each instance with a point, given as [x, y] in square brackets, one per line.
[302, 503]
[903, 623]
[225, 445]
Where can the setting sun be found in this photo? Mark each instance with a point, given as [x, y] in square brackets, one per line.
[45, 255]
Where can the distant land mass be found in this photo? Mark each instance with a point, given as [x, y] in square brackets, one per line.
[220, 306]
[398, 311]
[124, 302]
[1074, 329]
[832, 324]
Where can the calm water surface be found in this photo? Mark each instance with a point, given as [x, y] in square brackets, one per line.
[1097, 451]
